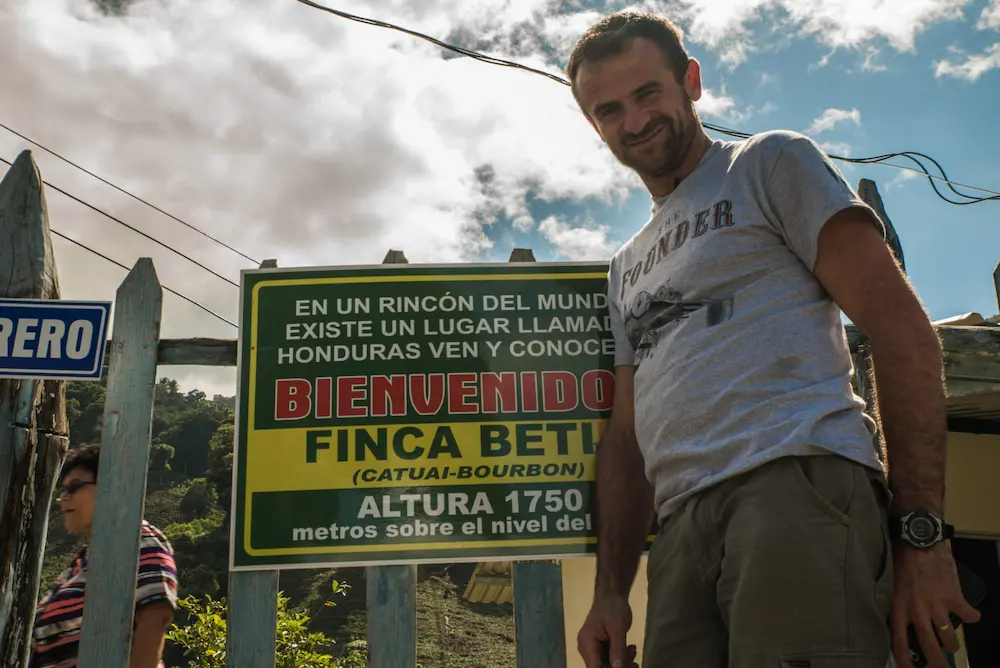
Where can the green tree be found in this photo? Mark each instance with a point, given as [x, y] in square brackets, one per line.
[198, 501]
[190, 432]
[203, 638]
[220, 464]
[85, 411]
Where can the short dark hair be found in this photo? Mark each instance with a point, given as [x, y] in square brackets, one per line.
[85, 457]
[611, 36]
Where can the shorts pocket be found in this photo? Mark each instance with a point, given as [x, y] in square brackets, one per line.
[836, 660]
[828, 482]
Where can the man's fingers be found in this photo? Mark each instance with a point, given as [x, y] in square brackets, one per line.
[590, 648]
[965, 610]
[946, 633]
[900, 643]
[928, 640]
[619, 652]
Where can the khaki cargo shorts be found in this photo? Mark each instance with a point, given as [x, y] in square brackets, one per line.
[788, 566]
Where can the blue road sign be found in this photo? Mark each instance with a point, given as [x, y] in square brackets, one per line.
[52, 339]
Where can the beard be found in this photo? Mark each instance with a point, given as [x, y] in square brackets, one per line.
[661, 155]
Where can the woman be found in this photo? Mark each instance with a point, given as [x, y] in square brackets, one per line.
[56, 633]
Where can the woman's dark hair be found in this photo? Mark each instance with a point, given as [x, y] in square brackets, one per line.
[85, 457]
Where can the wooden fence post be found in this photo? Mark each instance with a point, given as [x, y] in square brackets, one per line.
[252, 606]
[864, 378]
[539, 622]
[391, 597]
[33, 427]
[106, 637]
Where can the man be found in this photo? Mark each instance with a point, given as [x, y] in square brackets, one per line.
[734, 422]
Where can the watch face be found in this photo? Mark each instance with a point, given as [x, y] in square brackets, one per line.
[922, 530]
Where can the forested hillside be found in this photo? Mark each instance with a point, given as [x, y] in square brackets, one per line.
[188, 496]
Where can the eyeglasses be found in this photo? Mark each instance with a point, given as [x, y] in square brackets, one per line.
[72, 488]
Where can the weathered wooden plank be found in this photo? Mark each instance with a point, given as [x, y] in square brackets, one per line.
[996, 281]
[984, 341]
[106, 638]
[391, 596]
[252, 608]
[200, 352]
[33, 427]
[252, 611]
[864, 376]
[868, 191]
[539, 622]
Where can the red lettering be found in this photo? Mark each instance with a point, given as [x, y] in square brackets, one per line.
[427, 400]
[458, 390]
[499, 388]
[324, 398]
[291, 399]
[348, 393]
[529, 392]
[598, 389]
[388, 394]
[559, 391]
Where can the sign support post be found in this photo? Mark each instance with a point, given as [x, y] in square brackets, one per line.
[252, 606]
[391, 597]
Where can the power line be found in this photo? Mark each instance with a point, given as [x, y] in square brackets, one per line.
[938, 178]
[491, 60]
[170, 290]
[122, 190]
[137, 231]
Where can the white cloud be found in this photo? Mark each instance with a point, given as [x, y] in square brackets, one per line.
[294, 134]
[578, 243]
[837, 148]
[833, 117]
[287, 132]
[715, 104]
[768, 79]
[904, 176]
[727, 26]
[972, 67]
[990, 18]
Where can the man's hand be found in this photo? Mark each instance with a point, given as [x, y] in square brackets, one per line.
[926, 591]
[601, 640]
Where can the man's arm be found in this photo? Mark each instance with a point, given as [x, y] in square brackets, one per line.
[151, 624]
[624, 496]
[857, 269]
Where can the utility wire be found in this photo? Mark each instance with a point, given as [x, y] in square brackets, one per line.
[170, 290]
[122, 190]
[938, 178]
[137, 231]
[875, 160]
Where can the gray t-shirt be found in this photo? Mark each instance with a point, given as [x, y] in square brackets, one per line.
[740, 355]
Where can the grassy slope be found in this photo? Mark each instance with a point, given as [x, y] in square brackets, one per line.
[451, 632]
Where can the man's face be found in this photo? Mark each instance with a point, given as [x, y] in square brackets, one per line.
[635, 102]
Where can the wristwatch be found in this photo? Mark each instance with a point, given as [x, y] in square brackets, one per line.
[921, 529]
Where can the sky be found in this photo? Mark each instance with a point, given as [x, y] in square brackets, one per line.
[289, 133]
